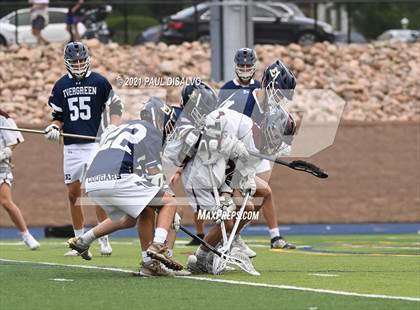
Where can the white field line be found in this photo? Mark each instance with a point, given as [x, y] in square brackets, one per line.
[255, 284]
[323, 274]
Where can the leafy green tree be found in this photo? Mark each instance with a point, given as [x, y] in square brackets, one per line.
[372, 19]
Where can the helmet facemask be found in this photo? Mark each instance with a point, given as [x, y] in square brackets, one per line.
[275, 95]
[275, 131]
[201, 102]
[78, 68]
[245, 72]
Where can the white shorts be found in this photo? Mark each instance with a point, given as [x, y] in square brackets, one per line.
[6, 176]
[129, 196]
[264, 166]
[77, 159]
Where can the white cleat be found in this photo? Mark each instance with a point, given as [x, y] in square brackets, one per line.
[241, 246]
[31, 242]
[105, 246]
[73, 253]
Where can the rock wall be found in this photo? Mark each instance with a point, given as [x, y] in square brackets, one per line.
[378, 81]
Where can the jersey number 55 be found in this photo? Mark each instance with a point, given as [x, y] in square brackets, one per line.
[79, 109]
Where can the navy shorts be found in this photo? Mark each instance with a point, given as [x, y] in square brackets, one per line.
[38, 23]
[73, 19]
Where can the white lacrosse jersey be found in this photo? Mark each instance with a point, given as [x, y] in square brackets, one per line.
[7, 137]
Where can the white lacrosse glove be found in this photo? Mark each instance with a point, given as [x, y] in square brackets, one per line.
[52, 132]
[247, 184]
[227, 205]
[6, 154]
[177, 222]
[234, 148]
[106, 132]
[239, 151]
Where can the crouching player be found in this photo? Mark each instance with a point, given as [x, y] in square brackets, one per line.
[8, 141]
[124, 179]
[210, 144]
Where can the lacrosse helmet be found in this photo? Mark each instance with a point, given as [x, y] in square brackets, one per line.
[197, 101]
[245, 63]
[277, 127]
[156, 112]
[278, 82]
[77, 59]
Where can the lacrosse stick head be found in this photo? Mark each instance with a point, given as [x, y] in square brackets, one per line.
[242, 261]
[217, 264]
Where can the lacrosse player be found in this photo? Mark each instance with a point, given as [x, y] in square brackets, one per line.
[252, 99]
[200, 152]
[126, 179]
[245, 67]
[78, 101]
[8, 142]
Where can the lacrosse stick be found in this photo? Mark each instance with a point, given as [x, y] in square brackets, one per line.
[240, 260]
[41, 132]
[217, 199]
[219, 262]
[296, 165]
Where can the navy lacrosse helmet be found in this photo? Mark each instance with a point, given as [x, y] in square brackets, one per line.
[279, 82]
[77, 59]
[198, 100]
[245, 63]
[156, 112]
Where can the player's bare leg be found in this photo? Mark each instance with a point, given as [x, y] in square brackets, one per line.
[149, 266]
[81, 244]
[16, 216]
[76, 212]
[157, 249]
[199, 229]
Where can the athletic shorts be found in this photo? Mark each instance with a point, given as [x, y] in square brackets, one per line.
[264, 166]
[73, 19]
[77, 159]
[129, 196]
[6, 175]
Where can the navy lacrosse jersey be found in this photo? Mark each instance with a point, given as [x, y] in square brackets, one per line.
[244, 101]
[80, 105]
[233, 85]
[133, 147]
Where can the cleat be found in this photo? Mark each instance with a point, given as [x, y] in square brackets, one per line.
[280, 243]
[153, 268]
[177, 273]
[105, 246]
[239, 244]
[31, 242]
[160, 252]
[71, 253]
[80, 249]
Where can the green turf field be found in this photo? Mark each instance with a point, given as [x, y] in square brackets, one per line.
[326, 272]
